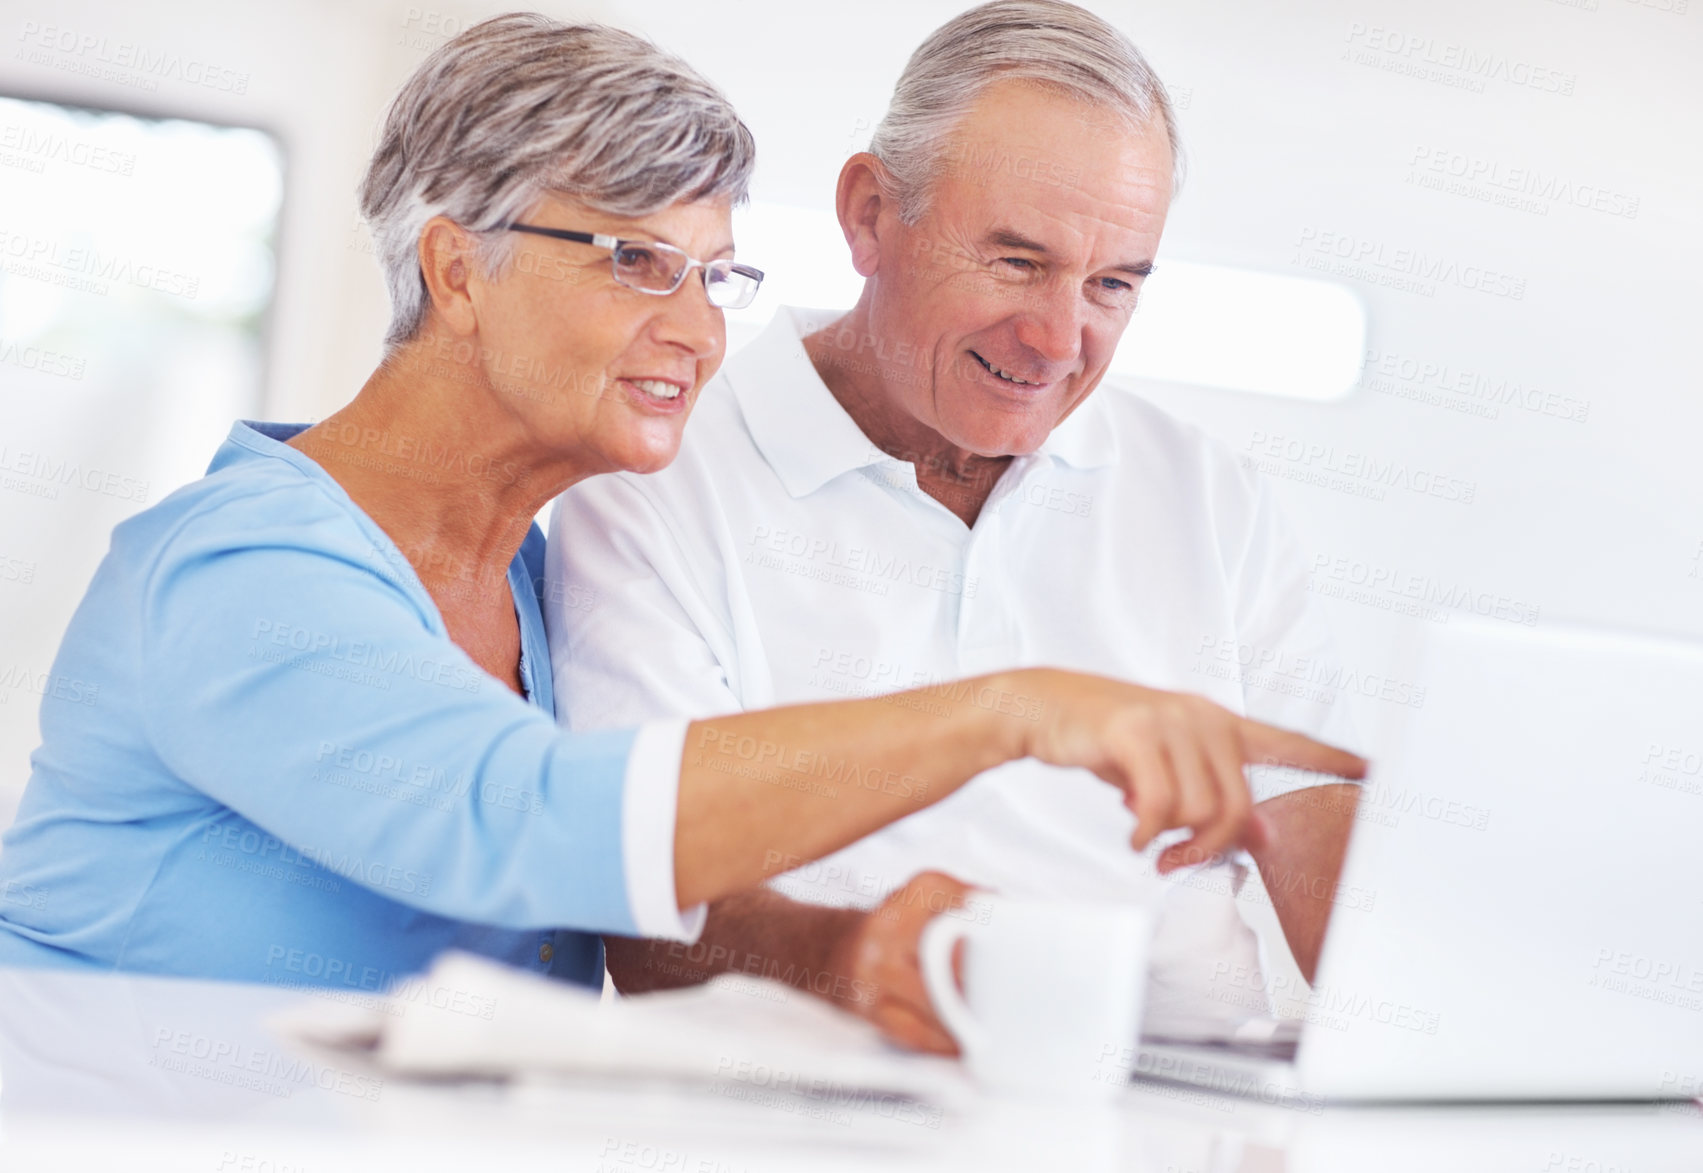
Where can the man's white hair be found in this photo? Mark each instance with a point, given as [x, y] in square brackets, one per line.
[1053, 44]
[521, 105]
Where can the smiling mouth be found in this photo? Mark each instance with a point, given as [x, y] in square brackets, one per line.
[656, 388]
[1001, 375]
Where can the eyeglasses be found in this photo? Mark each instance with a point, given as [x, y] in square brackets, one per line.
[650, 266]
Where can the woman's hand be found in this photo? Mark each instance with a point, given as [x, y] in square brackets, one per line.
[1178, 758]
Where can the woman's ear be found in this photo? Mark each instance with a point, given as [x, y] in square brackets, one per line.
[859, 200]
[447, 264]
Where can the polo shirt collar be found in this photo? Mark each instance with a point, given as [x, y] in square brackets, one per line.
[809, 439]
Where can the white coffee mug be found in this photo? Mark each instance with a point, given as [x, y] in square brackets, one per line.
[1052, 991]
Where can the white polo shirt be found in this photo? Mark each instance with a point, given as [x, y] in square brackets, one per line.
[783, 558]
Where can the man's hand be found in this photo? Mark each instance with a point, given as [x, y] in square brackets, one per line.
[1302, 863]
[879, 957]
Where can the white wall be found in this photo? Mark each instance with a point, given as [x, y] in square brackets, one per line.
[1299, 137]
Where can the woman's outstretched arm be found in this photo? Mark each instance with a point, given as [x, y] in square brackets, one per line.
[803, 781]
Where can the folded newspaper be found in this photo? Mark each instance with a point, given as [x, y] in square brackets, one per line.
[469, 1016]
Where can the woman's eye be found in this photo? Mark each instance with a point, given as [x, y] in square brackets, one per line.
[633, 258]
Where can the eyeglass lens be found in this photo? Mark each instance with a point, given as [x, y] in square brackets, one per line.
[660, 269]
[649, 267]
[727, 287]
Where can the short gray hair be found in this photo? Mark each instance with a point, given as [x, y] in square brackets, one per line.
[521, 105]
[1057, 45]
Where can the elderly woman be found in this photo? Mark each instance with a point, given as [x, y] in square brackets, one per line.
[323, 747]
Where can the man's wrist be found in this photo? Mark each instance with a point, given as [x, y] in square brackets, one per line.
[835, 932]
[800, 945]
[840, 931]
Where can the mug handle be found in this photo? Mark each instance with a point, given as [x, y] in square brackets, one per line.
[934, 951]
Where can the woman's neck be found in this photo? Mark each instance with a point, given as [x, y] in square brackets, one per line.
[434, 460]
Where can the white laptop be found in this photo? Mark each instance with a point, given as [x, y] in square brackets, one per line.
[1528, 880]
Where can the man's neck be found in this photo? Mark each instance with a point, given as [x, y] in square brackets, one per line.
[959, 479]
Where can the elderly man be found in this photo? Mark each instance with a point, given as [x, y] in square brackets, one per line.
[927, 486]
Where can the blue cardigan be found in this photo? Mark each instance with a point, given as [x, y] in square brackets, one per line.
[263, 759]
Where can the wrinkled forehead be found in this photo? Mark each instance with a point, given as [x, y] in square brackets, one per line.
[1024, 147]
[1058, 200]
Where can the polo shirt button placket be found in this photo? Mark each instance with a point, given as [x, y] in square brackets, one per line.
[986, 637]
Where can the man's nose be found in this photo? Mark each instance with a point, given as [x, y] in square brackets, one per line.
[1050, 323]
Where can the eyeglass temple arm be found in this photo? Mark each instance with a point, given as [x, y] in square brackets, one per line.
[596, 238]
[612, 242]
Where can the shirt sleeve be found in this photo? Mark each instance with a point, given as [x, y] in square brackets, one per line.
[299, 680]
[1281, 624]
[648, 809]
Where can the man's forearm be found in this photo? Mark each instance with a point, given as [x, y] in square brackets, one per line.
[1303, 862]
[758, 932]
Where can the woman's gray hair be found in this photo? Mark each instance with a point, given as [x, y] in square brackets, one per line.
[1054, 44]
[521, 105]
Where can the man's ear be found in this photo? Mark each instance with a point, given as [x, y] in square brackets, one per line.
[446, 262]
[859, 200]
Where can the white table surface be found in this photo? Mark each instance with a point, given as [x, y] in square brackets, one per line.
[98, 1072]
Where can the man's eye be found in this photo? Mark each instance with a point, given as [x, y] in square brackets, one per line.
[1020, 263]
[1114, 285]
